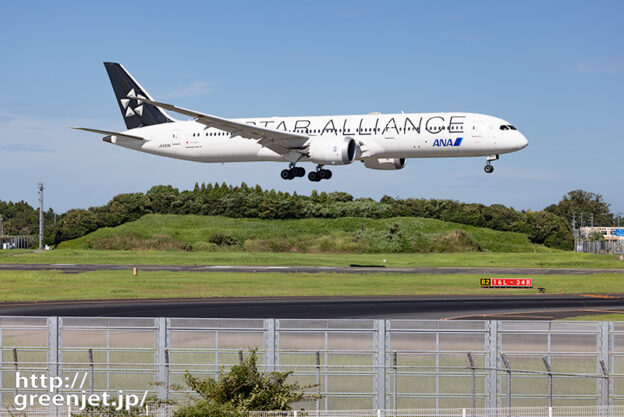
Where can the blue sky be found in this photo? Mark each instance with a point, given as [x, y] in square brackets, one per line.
[554, 69]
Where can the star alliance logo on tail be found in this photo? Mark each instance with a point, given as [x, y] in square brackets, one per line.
[125, 102]
[447, 142]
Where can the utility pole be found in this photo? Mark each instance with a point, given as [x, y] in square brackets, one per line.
[592, 220]
[1, 226]
[40, 190]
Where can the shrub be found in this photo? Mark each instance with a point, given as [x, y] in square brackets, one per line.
[204, 246]
[457, 240]
[221, 239]
[244, 388]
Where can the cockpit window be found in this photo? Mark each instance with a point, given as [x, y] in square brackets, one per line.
[504, 127]
[512, 128]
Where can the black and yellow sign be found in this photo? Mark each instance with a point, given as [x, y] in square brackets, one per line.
[506, 282]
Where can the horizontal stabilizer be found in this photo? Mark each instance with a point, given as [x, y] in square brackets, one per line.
[111, 134]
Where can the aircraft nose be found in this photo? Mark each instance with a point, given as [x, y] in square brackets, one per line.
[522, 141]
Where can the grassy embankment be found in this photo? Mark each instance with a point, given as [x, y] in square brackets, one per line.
[345, 235]
[53, 285]
[321, 242]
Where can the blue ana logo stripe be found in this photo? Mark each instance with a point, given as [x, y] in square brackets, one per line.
[447, 142]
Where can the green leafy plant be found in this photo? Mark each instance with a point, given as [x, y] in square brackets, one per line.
[241, 389]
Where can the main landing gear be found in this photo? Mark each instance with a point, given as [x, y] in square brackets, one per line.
[488, 166]
[292, 172]
[319, 174]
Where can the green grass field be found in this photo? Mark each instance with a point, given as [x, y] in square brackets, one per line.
[466, 259]
[598, 317]
[344, 235]
[53, 285]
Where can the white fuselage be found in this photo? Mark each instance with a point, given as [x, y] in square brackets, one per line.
[414, 135]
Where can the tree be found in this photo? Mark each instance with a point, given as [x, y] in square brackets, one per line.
[585, 202]
[244, 388]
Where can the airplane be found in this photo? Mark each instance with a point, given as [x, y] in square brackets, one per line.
[379, 141]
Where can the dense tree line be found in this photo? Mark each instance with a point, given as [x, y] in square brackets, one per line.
[22, 219]
[550, 227]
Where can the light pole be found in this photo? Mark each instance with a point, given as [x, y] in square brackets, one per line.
[40, 189]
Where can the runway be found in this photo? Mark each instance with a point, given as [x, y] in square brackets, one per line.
[533, 307]
[360, 269]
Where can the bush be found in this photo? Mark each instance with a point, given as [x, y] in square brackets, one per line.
[221, 239]
[204, 247]
[132, 241]
[244, 388]
[457, 240]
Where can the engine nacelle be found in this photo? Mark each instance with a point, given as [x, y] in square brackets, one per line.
[386, 163]
[338, 151]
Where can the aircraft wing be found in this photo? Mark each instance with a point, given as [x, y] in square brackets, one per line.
[109, 133]
[277, 140]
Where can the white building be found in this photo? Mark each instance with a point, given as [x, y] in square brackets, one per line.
[609, 233]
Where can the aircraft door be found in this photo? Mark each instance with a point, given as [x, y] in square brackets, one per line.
[176, 141]
[477, 133]
[477, 127]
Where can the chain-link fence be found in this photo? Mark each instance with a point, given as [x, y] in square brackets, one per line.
[352, 364]
[605, 247]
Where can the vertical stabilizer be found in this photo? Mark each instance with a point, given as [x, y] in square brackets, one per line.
[128, 93]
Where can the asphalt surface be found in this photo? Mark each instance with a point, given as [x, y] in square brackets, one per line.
[538, 307]
[78, 268]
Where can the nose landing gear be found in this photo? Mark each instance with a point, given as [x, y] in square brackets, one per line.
[319, 174]
[292, 172]
[488, 166]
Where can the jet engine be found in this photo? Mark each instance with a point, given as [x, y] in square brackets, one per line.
[385, 163]
[338, 151]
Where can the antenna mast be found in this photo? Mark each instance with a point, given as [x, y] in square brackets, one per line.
[40, 190]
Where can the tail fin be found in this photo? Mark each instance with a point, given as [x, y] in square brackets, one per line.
[128, 93]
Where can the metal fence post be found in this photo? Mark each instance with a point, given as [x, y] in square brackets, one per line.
[604, 391]
[395, 363]
[53, 353]
[604, 362]
[1, 386]
[473, 382]
[380, 364]
[506, 362]
[15, 367]
[91, 369]
[550, 380]
[492, 364]
[161, 360]
[270, 351]
[318, 381]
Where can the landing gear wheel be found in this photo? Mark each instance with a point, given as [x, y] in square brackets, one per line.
[299, 171]
[489, 169]
[314, 176]
[324, 174]
[287, 174]
[328, 174]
